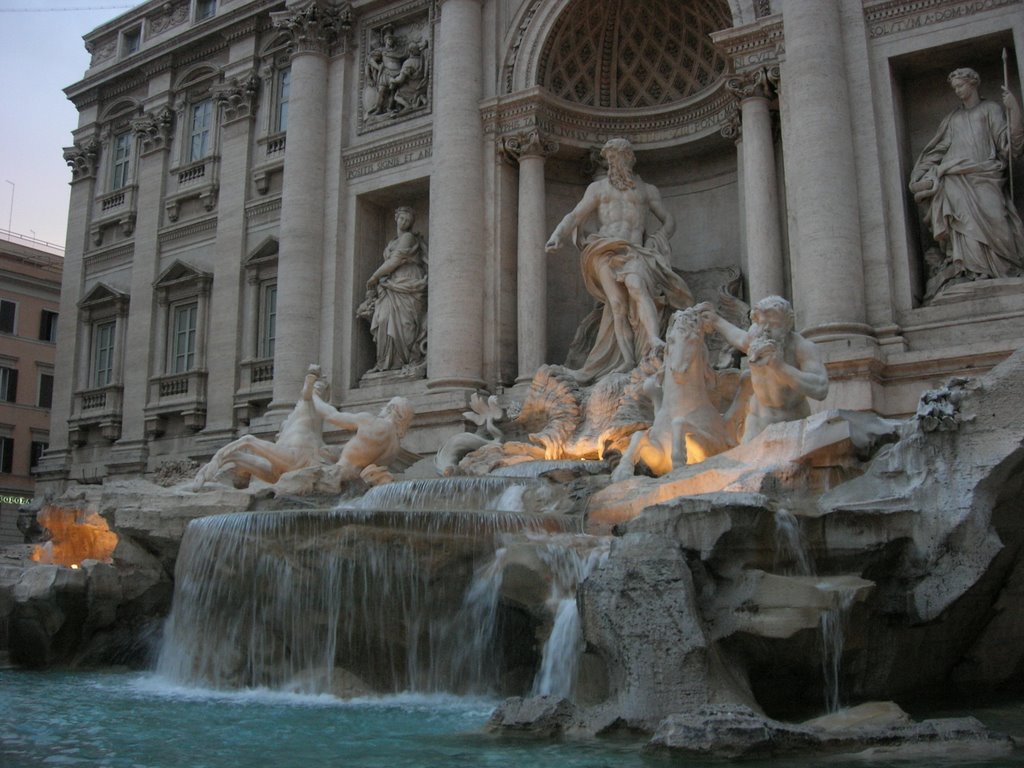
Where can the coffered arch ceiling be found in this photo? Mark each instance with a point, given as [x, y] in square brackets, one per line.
[633, 54]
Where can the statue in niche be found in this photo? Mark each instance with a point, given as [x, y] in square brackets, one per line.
[785, 368]
[960, 179]
[687, 427]
[299, 442]
[377, 440]
[396, 298]
[624, 267]
[397, 75]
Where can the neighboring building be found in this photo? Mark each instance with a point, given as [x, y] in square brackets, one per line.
[237, 163]
[29, 302]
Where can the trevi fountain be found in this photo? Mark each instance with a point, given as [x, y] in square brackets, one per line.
[676, 545]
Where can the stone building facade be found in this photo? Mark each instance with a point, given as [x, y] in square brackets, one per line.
[237, 164]
[30, 280]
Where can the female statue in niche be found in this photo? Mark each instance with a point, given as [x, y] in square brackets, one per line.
[396, 298]
[960, 178]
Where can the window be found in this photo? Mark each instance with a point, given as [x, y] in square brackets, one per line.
[205, 9]
[268, 320]
[8, 309]
[8, 384]
[48, 326]
[6, 454]
[199, 133]
[103, 354]
[283, 87]
[122, 160]
[45, 399]
[36, 453]
[131, 40]
[183, 340]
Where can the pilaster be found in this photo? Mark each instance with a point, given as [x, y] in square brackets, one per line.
[81, 158]
[153, 130]
[237, 100]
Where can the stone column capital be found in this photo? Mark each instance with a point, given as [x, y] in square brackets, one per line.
[750, 85]
[733, 126]
[238, 97]
[81, 158]
[154, 129]
[530, 143]
[315, 26]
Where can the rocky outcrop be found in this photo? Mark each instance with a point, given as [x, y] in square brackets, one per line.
[911, 558]
[739, 732]
[97, 591]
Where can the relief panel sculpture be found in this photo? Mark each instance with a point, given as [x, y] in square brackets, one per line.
[395, 71]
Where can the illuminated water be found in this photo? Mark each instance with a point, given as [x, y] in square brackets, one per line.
[132, 720]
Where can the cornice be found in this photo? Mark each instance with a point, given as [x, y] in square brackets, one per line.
[262, 208]
[573, 125]
[367, 160]
[754, 45]
[888, 17]
[216, 33]
[123, 252]
[190, 229]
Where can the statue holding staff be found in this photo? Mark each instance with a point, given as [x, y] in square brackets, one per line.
[960, 179]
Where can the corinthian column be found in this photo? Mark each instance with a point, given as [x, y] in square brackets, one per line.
[530, 149]
[456, 289]
[828, 269]
[314, 26]
[765, 272]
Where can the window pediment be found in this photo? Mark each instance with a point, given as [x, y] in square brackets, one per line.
[103, 296]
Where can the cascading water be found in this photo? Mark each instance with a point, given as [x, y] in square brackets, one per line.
[498, 494]
[833, 638]
[791, 553]
[314, 600]
[571, 560]
[793, 557]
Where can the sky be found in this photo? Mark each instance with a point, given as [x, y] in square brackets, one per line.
[41, 53]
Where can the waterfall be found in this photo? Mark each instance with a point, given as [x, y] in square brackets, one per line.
[450, 494]
[793, 556]
[310, 600]
[571, 560]
[791, 553]
[833, 636]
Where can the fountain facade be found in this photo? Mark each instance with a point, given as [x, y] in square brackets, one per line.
[698, 518]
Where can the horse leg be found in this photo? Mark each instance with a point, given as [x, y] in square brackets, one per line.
[627, 464]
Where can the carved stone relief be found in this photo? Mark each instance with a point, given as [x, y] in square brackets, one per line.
[396, 64]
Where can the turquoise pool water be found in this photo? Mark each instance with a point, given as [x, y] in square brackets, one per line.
[132, 720]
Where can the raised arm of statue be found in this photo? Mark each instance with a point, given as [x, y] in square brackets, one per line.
[734, 337]
[340, 419]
